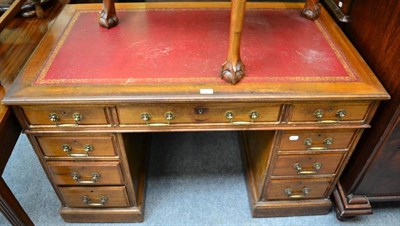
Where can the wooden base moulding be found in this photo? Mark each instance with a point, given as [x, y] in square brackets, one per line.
[84, 215]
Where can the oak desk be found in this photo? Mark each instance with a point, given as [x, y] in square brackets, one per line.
[89, 97]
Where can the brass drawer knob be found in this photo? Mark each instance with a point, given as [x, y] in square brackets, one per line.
[341, 113]
[169, 116]
[319, 114]
[87, 201]
[54, 117]
[77, 178]
[308, 141]
[77, 117]
[229, 115]
[88, 147]
[254, 115]
[291, 194]
[66, 148]
[328, 141]
[316, 166]
[145, 116]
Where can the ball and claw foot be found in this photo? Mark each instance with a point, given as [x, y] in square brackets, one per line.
[232, 73]
[107, 21]
[311, 11]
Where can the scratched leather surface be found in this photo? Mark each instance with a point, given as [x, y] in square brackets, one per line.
[189, 46]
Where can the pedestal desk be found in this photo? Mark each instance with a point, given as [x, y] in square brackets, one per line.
[89, 97]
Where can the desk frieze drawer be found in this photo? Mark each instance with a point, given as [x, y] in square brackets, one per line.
[325, 112]
[317, 140]
[77, 146]
[301, 165]
[86, 173]
[295, 189]
[66, 115]
[95, 197]
[164, 114]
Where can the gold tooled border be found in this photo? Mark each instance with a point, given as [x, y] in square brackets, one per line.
[55, 51]
[41, 80]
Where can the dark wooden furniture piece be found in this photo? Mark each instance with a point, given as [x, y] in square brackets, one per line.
[340, 8]
[88, 119]
[373, 171]
[16, 6]
[10, 13]
[9, 133]
[233, 68]
[12, 58]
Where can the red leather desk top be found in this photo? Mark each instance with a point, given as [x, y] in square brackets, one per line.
[163, 46]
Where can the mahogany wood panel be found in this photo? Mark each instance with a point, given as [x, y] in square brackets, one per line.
[317, 188]
[372, 172]
[52, 146]
[297, 140]
[10, 207]
[102, 215]
[385, 169]
[74, 196]
[28, 32]
[285, 165]
[307, 112]
[9, 133]
[109, 173]
[199, 113]
[95, 115]
[292, 208]
[10, 13]
[259, 148]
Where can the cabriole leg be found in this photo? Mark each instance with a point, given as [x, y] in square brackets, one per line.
[233, 68]
[108, 17]
[311, 9]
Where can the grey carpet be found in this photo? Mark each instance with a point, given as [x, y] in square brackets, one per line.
[193, 179]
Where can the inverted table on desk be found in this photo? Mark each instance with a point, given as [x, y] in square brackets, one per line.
[89, 97]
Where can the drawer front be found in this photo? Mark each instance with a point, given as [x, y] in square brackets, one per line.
[75, 146]
[95, 197]
[86, 173]
[329, 112]
[298, 189]
[294, 165]
[191, 113]
[66, 115]
[317, 140]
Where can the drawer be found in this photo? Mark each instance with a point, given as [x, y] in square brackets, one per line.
[293, 165]
[86, 173]
[97, 197]
[192, 113]
[66, 115]
[317, 140]
[298, 189]
[329, 112]
[77, 146]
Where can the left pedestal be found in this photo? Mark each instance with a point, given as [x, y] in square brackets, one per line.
[97, 177]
